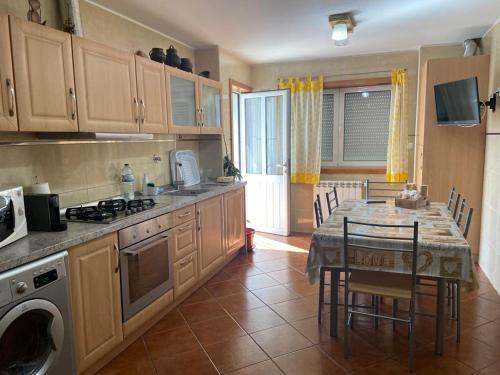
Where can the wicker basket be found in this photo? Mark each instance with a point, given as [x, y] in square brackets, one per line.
[412, 204]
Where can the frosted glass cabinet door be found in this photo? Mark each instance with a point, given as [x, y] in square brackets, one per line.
[211, 102]
[182, 102]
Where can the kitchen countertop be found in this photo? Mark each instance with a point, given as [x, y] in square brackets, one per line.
[38, 245]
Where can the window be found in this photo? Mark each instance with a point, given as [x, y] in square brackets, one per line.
[355, 126]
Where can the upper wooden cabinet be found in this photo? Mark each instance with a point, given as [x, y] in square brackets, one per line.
[96, 299]
[210, 235]
[8, 111]
[106, 88]
[234, 220]
[44, 80]
[151, 95]
[210, 99]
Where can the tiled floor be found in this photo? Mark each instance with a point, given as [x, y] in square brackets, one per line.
[258, 316]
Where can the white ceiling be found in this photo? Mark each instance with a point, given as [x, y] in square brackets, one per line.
[262, 31]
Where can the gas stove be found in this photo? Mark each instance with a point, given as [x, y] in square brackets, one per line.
[107, 211]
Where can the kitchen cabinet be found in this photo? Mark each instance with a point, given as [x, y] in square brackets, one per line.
[8, 111]
[96, 299]
[234, 220]
[44, 79]
[151, 95]
[105, 87]
[182, 102]
[184, 239]
[183, 215]
[185, 274]
[210, 215]
[210, 98]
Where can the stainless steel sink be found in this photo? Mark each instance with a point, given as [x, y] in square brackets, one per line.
[187, 192]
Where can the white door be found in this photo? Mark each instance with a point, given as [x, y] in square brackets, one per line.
[264, 157]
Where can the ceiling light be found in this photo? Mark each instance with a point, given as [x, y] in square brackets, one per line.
[342, 24]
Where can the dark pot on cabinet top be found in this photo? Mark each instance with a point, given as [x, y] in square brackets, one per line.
[186, 65]
[172, 57]
[157, 54]
[205, 74]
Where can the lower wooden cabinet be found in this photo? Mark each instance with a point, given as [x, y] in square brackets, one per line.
[184, 239]
[96, 299]
[210, 234]
[234, 220]
[185, 274]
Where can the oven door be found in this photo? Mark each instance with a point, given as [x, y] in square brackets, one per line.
[146, 272]
[7, 217]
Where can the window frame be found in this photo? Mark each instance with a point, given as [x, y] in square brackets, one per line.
[338, 127]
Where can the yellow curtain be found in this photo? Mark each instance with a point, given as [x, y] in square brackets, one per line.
[306, 114]
[397, 146]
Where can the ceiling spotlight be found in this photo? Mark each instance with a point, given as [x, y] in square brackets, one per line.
[342, 24]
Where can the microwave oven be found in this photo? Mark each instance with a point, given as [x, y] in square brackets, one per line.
[13, 225]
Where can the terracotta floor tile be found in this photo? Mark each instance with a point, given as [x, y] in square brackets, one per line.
[287, 275]
[173, 319]
[491, 370]
[273, 265]
[280, 340]
[240, 302]
[275, 294]
[198, 312]
[169, 343]
[266, 255]
[313, 331]
[484, 308]
[303, 287]
[262, 368]
[259, 282]
[132, 361]
[387, 367]
[219, 277]
[216, 330]
[243, 271]
[491, 296]
[225, 288]
[296, 309]
[258, 319]
[200, 295]
[235, 354]
[194, 362]
[310, 361]
[488, 333]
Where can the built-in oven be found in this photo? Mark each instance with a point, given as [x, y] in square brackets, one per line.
[146, 258]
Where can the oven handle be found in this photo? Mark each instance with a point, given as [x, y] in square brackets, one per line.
[145, 246]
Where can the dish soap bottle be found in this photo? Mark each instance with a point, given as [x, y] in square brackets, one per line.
[128, 182]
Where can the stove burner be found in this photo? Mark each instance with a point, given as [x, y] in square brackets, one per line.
[141, 203]
[112, 205]
[90, 213]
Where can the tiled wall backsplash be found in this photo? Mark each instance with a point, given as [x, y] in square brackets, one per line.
[87, 172]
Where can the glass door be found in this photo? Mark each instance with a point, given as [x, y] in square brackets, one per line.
[182, 99]
[211, 103]
[264, 155]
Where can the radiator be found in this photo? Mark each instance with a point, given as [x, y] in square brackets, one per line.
[346, 190]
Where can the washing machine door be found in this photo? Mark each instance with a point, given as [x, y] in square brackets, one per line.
[31, 338]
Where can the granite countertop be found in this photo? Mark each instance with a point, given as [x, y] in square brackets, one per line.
[41, 244]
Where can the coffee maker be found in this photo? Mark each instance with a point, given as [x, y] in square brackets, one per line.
[42, 213]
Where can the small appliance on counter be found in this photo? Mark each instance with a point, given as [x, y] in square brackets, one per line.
[42, 213]
[12, 217]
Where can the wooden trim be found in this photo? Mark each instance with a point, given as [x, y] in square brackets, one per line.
[234, 86]
[357, 82]
[353, 170]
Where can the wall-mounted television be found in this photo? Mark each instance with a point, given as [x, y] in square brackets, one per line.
[457, 102]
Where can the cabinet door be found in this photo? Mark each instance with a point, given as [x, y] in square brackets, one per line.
[234, 220]
[185, 274]
[106, 88]
[151, 95]
[210, 234]
[8, 112]
[95, 295]
[182, 98]
[45, 85]
[210, 93]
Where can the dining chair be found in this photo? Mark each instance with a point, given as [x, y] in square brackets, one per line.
[332, 200]
[378, 283]
[382, 189]
[453, 201]
[318, 213]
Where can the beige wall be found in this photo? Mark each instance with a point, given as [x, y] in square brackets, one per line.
[50, 10]
[489, 255]
[265, 77]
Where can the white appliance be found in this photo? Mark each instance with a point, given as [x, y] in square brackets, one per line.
[184, 167]
[346, 190]
[13, 224]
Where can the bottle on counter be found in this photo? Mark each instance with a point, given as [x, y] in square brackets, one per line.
[128, 182]
[145, 181]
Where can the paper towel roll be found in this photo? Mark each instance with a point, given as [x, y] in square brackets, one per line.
[41, 188]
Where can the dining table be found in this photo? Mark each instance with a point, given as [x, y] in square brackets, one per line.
[444, 254]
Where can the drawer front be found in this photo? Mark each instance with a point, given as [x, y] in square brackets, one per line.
[184, 215]
[146, 229]
[184, 237]
[185, 274]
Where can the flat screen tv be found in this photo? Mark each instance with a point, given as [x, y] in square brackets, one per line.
[457, 102]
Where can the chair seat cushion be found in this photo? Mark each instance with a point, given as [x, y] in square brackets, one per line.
[379, 283]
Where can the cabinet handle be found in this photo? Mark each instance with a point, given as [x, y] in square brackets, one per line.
[143, 115]
[73, 103]
[182, 229]
[187, 213]
[187, 261]
[201, 117]
[117, 268]
[199, 220]
[136, 113]
[198, 118]
[10, 88]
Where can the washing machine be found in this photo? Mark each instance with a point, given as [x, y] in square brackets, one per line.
[35, 319]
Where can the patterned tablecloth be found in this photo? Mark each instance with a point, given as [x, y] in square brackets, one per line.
[443, 252]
